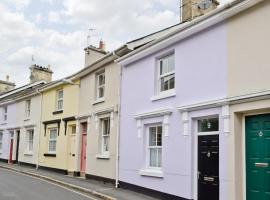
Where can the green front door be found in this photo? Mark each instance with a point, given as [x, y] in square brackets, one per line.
[258, 157]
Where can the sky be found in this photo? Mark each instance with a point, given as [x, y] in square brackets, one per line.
[55, 32]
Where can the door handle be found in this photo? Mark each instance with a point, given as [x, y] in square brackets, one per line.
[261, 164]
[208, 179]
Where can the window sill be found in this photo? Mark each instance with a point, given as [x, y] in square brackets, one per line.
[58, 112]
[152, 173]
[5, 123]
[27, 119]
[28, 154]
[103, 156]
[164, 95]
[101, 100]
[49, 154]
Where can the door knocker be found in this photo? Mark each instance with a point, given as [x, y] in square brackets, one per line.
[260, 133]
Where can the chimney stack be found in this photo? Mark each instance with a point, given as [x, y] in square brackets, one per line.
[92, 53]
[191, 9]
[39, 73]
[102, 45]
[6, 85]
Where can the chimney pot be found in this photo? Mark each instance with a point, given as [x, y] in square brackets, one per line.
[7, 78]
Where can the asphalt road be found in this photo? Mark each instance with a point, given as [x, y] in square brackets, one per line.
[14, 186]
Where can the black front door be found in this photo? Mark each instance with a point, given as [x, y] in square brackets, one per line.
[17, 146]
[208, 167]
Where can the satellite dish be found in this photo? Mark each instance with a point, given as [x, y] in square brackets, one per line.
[205, 4]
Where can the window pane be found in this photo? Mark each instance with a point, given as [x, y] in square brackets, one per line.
[52, 146]
[100, 92]
[159, 157]
[167, 65]
[152, 136]
[167, 82]
[101, 79]
[159, 136]
[106, 143]
[60, 105]
[60, 94]
[163, 66]
[153, 157]
[171, 65]
[208, 125]
[106, 127]
[73, 130]
[53, 134]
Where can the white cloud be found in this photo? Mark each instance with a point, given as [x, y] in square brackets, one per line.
[53, 16]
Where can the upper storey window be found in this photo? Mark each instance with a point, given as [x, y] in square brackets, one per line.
[5, 111]
[166, 73]
[27, 108]
[100, 85]
[59, 100]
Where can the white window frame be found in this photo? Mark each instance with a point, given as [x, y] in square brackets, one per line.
[154, 147]
[159, 76]
[1, 141]
[28, 108]
[59, 100]
[98, 86]
[103, 136]
[29, 141]
[5, 113]
[52, 140]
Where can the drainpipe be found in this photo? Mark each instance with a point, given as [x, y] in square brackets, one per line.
[118, 131]
[40, 126]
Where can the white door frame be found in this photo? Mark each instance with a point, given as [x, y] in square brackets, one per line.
[195, 156]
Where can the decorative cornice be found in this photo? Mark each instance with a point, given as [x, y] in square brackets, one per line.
[155, 113]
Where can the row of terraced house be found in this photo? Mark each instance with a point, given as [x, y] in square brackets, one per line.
[183, 113]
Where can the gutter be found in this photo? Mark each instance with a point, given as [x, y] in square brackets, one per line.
[220, 14]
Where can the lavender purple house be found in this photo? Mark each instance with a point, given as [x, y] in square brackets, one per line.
[156, 152]
[169, 149]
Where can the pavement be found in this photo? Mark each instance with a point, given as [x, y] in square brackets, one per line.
[97, 189]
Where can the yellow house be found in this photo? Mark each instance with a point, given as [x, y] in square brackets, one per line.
[58, 130]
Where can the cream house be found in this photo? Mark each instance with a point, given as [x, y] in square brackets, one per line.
[98, 118]
[20, 121]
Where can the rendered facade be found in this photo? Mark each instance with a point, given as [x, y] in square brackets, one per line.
[183, 113]
[199, 128]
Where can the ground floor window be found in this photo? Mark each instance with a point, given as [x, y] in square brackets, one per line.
[155, 147]
[105, 135]
[52, 140]
[30, 140]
